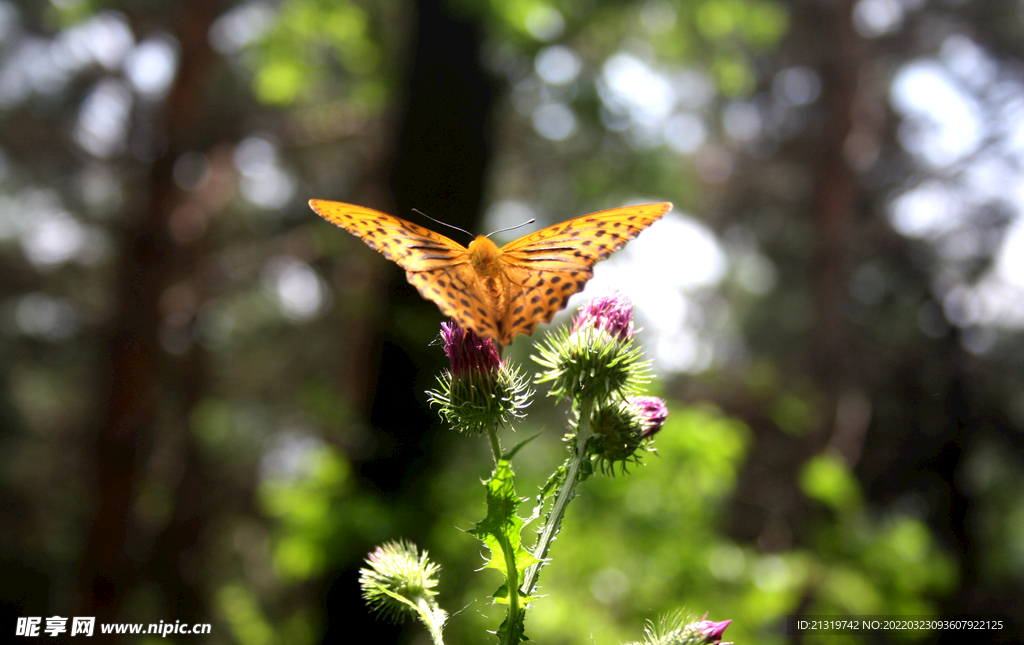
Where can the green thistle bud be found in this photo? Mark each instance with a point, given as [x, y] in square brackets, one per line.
[399, 580]
[677, 628]
[711, 631]
[596, 357]
[652, 411]
[480, 391]
[621, 430]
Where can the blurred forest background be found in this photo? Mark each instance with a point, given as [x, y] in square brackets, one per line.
[212, 402]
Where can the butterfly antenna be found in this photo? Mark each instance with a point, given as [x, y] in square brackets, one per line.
[416, 210]
[512, 228]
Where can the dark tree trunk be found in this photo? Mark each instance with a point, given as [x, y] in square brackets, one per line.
[440, 166]
[133, 367]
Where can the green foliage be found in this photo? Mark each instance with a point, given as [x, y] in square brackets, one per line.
[66, 14]
[826, 479]
[318, 519]
[501, 530]
[240, 608]
[755, 22]
[992, 473]
[309, 33]
[868, 564]
[793, 413]
[649, 544]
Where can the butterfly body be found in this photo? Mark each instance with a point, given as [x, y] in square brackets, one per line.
[485, 256]
[499, 293]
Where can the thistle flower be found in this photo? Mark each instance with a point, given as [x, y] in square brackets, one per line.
[611, 313]
[616, 437]
[677, 628]
[711, 630]
[596, 357]
[652, 411]
[468, 353]
[398, 580]
[619, 430]
[480, 391]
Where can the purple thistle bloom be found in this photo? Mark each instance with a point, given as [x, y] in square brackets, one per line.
[480, 391]
[612, 313]
[712, 631]
[653, 412]
[468, 352]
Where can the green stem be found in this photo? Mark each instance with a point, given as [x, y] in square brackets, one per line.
[511, 633]
[492, 434]
[433, 618]
[511, 573]
[562, 499]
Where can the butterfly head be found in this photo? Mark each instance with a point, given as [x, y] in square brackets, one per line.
[485, 257]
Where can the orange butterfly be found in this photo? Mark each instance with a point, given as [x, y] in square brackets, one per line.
[498, 293]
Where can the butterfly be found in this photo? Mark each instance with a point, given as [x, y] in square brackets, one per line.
[499, 293]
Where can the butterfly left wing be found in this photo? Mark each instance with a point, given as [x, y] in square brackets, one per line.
[411, 247]
[547, 267]
[438, 267]
[460, 294]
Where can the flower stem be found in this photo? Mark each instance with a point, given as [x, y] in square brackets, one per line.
[511, 633]
[564, 496]
[511, 573]
[432, 617]
[492, 434]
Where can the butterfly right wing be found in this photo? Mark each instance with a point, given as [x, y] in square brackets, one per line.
[411, 247]
[545, 268]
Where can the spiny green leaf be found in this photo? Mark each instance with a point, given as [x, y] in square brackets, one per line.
[500, 531]
[517, 626]
[553, 483]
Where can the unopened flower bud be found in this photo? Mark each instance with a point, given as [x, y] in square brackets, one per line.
[619, 430]
[398, 569]
[652, 411]
[679, 628]
[616, 439]
[711, 630]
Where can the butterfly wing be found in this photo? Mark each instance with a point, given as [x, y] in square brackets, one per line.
[437, 266]
[411, 247]
[547, 267]
[461, 295]
[539, 271]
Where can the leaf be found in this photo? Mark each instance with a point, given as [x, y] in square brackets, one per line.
[551, 486]
[519, 635]
[500, 532]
